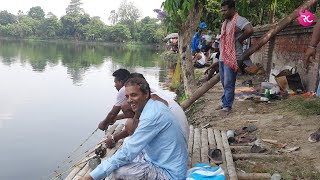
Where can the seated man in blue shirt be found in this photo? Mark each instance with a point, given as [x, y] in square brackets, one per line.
[156, 150]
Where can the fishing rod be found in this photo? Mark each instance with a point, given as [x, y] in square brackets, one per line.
[67, 161]
[94, 160]
[100, 151]
[79, 147]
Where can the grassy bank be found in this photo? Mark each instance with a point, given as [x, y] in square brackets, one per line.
[304, 106]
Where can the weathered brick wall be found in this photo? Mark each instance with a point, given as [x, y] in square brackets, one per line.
[288, 48]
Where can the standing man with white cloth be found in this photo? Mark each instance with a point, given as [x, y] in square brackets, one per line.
[235, 29]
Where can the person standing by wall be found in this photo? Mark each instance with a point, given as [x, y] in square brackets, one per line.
[235, 29]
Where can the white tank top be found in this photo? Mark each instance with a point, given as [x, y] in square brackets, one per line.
[202, 61]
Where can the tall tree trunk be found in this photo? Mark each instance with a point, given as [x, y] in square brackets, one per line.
[185, 36]
[272, 12]
[263, 40]
[261, 16]
[278, 27]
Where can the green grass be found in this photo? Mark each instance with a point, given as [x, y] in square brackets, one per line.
[195, 107]
[305, 106]
[179, 89]
[170, 56]
[289, 167]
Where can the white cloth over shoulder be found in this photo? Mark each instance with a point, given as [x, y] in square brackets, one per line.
[213, 57]
[177, 111]
[156, 124]
[202, 61]
[174, 107]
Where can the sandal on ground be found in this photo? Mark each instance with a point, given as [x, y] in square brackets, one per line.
[246, 129]
[244, 139]
[314, 137]
[215, 155]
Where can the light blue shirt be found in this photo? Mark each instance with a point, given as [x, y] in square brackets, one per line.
[159, 135]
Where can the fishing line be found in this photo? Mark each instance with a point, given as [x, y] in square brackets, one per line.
[68, 160]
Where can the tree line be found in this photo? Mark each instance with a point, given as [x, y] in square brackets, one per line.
[78, 25]
[78, 58]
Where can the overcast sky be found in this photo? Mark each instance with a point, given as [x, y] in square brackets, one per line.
[100, 8]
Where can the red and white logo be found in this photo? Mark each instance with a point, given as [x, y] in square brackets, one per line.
[306, 18]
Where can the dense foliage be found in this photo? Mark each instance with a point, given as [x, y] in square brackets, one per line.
[263, 12]
[259, 12]
[126, 25]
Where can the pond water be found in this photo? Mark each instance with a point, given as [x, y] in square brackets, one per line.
[52, 97]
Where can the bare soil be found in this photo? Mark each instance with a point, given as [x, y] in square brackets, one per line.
[274, 121]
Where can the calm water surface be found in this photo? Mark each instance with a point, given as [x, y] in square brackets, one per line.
[53, 96]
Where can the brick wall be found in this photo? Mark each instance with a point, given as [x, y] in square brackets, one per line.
[287, 48]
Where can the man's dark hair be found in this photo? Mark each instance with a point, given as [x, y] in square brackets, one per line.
[138, 75]
[142, 83]
[229, 3]
[121, 75]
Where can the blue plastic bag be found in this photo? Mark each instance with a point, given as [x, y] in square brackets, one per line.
[206, 172]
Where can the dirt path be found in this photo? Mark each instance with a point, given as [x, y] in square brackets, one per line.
[273, 122]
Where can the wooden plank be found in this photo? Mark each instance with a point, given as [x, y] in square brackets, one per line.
[229, 159]
[74, 174]
[246, 148]
[75, 171]
[190, 146]
[83, 171]
[77, 167]
[254, 176]
[77, 177]
[240, 149]
[196, 148]
[211, 139]
[274, 142]
[88, 172]
[204, 146]
[217, 136]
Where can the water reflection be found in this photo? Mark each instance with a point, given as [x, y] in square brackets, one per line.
[78, 58]
[4, 117]
[45, 115]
